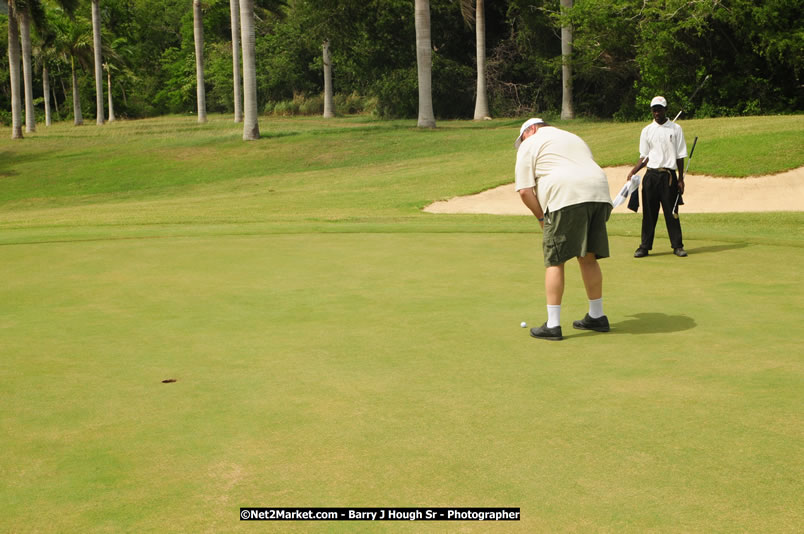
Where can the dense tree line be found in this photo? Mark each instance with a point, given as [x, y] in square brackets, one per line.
[624, 52]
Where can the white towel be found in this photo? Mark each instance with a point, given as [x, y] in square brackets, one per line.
[629, 187]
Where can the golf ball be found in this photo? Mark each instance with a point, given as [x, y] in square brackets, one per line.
[523, 324]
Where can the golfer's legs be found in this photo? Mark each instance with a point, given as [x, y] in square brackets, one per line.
[592, 276]
[650, 207]
[554, 284]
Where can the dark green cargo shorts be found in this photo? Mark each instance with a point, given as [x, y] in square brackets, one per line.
[575, 231]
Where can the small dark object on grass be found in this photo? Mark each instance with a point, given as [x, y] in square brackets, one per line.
[168, 380]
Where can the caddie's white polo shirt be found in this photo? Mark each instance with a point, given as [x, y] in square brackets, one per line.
[662, 144]
[561, 165]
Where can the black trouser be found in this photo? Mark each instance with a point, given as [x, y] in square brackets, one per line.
[659, 187]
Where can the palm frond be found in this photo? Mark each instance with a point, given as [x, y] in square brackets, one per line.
[467, 11]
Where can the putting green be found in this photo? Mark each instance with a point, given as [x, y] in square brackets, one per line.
[390, 370]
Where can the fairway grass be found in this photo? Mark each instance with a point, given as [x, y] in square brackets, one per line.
[334, 346]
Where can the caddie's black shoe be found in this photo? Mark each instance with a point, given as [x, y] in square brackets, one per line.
[680, 252]
[641, 252]
[553, 334]
[601, 324]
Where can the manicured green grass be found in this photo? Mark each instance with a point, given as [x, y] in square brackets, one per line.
[334, 346]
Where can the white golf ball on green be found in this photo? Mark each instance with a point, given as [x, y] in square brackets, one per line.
[523, 324]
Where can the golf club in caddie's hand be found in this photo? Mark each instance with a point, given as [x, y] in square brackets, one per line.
[686, 168]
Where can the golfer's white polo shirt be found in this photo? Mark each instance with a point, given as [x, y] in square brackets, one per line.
[561, 165]
[662, 144]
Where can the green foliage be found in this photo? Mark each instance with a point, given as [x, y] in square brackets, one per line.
[352, 103]
[625, 52]
[218, 77]
[397, 94]
[305, 105]
[177, 93]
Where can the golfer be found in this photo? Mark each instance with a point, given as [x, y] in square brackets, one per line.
[567, 191]
[662, 148]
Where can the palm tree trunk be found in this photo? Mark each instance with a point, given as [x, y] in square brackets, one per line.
[567, 111]
[198, 32]
[78, 118]
[56, 99]
[234, 8]
[46, 93]
[27, 71]
[251, 127]
[481, 101]
[14, 72]
[109, 89]
[329, 106]
[63, 91]
[424, 63]
[96, 43]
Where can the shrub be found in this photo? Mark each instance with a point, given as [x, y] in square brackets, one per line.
[313, 105]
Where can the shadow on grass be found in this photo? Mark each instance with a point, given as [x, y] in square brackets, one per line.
[705, 250]
[653, 323]
[8, 159]
[643, 323]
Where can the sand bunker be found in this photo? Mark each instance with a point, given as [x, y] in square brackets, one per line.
[704, 194]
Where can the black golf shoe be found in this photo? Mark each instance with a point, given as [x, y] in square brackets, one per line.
[601, 324]
[680, 252]
[553, 334]
[641, 252]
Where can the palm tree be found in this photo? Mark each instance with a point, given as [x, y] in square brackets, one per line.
[198, 34]
[44, 55]
[329, 106]
[24, 17]
[251, 127]
[96, 44]
[114, 55]
[234, 9]
[73, 44]
[14, 71]
[108, 67]
[32, 12]
[424, 63]
[566, 61]
[46, 93]
[477, 13]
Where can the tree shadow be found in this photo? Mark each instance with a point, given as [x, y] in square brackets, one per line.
[653, 323]
[5, 165]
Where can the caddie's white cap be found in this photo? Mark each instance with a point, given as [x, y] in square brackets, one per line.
[658, 101]
[527, 124]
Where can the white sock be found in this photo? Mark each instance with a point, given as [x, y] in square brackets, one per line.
[553, 316]
[596, 308]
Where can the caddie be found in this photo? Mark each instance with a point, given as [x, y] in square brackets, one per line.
[559, 181]
[662, 148]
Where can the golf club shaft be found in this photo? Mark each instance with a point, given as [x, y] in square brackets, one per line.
[692, 151]
[693, 95]
[678, 196]
[699, 86]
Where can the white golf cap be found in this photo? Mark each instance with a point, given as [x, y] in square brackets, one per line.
[658, 101]
[527, 124]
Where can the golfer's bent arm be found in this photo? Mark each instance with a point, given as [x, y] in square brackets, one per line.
[528, 196]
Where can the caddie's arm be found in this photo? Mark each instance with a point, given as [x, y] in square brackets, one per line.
[680, 171]
[639, 164]
[529, 198]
